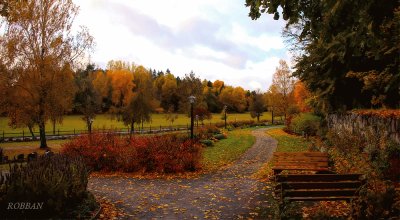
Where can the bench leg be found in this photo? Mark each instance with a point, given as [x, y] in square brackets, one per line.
[282, 205]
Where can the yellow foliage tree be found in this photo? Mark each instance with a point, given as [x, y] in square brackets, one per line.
[122, 86]
[39, 50]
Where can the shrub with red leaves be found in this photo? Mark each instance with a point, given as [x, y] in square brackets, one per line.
[108, 152]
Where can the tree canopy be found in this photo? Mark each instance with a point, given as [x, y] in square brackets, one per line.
[341, 48]
[37, 56]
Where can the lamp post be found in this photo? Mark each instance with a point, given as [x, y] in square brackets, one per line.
[271, 108]
[192, 99]
[90, 120]
[225, 108]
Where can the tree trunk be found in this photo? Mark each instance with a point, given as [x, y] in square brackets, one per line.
[132, 128]
[258, 117]
[54, 126]
[42, 123]
[31, 131]
[42, 132]
[272, 117]
[89, 126]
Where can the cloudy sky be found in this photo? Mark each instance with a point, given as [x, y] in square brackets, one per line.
[213, 38]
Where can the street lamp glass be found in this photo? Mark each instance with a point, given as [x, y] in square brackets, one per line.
[192, 99]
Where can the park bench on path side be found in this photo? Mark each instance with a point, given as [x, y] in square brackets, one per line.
[316, 187]
[309, 161]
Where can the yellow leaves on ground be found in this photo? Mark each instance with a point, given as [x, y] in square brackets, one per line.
[381, 113]
[335, 209]
[277, 132]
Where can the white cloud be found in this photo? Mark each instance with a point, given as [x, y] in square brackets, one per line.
[264, 41]
[215, 39]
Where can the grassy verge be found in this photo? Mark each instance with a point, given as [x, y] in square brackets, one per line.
[227, 150]
[288, 142]
[13, 148]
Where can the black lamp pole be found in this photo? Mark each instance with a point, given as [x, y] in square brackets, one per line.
[191, 100]
[191, 120]
[225, 107]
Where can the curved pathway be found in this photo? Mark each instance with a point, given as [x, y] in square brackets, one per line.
[230, 193]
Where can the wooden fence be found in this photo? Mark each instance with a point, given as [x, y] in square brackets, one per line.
[64, 134]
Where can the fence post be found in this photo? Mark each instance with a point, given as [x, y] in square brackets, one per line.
[23, 134]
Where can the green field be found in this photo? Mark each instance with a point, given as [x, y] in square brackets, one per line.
[104, 121]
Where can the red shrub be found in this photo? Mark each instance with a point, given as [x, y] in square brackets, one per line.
[98, 150]
[167, 153]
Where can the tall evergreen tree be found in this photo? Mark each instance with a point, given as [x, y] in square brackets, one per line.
[343, 47]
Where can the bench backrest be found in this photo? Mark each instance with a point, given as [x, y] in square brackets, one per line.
[301, 156]
[300, 160]
[315, 187]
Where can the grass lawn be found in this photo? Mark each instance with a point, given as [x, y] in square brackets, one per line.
[288, 142]
[227, 150]
[15, 148]
[72, 122]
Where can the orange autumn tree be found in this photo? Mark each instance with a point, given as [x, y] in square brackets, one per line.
[234, 98]
[301, 96]
[280, 93]
[122, 87]
[38, 51]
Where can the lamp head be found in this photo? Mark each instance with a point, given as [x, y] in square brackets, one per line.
[192, 99]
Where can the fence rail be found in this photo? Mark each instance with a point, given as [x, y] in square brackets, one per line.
[64, 134]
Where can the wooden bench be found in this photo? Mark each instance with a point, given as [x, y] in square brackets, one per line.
[312, 161]
[317, 187]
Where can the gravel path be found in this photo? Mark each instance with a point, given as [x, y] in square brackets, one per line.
[230, 193]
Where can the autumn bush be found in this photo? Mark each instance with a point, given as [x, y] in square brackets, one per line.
[207, 131]
[377, 157]
[163, 153]
[58, 182]
[305, 124]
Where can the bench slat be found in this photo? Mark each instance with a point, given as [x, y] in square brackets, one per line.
[319, 193]
[300, 159]
[307, 154]
[332, 198]
[316, 177]
[319, 185]
[296, 163]
[300, 167]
